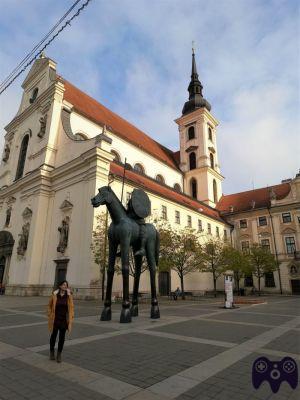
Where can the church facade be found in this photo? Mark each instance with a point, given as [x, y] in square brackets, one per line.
[62, 146]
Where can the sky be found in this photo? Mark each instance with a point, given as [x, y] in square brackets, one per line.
[134, 56]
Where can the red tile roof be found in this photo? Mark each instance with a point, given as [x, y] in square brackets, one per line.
[244, 201]
[90, 108]
[151, 185]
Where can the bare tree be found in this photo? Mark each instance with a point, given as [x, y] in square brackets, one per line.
[179, 251]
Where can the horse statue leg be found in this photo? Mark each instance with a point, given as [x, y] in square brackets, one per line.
[125, 316]
[151, 259]
[137, 273]
[106, 313]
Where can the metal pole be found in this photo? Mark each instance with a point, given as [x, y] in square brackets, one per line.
[123, 180]
[275, 248]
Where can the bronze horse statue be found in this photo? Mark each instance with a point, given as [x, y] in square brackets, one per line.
[124, 231]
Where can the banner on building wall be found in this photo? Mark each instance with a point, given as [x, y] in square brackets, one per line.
[228, 285]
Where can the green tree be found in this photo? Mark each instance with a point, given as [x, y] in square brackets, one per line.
[237, 262]
[213, 259]
[99, 246]
[261, 261]
[178, 251]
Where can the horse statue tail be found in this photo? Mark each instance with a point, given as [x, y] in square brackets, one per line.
[157, 248]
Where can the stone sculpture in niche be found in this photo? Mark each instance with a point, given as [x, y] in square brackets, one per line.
[43, 124]
[63, 235]
[23, 239]
[6, 153]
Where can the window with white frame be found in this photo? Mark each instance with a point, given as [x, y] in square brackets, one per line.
[209, 228]
[189, 221]
[290, 244]
[243, 223]
[164, 213]
[217, 231]
[265, 244]
[286, 217]
[225, 235]
[262, 221]
[245, 246]
[177, 217]
[200, 225]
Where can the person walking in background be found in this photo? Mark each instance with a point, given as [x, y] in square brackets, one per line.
[60, 317]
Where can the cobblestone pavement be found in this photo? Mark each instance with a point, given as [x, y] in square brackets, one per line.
[195, 351]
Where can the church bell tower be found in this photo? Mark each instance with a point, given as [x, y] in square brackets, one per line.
[198, 145]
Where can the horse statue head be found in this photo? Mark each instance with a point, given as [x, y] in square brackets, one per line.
[105, 196]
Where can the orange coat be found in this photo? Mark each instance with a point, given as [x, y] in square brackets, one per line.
[51, 310]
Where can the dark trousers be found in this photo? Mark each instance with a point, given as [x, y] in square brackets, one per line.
[61, 339]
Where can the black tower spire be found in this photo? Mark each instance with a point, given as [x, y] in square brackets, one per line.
[196, 99]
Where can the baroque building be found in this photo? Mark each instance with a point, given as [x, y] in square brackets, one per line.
[63, 145]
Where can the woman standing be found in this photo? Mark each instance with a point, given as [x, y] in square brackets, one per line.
[60, 317]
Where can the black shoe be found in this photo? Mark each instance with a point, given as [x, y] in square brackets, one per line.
[52, 356]
[140, 252]
[58, 357]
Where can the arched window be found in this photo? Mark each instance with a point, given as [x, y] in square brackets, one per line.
[193, 188]
[160, 178]
[22, 157]
[191, 133]
[34, 95]
[116, 155]
[212, 162]
[177, 187]
[215, 190]
[192, 158]
[139, 168]
[210, 133]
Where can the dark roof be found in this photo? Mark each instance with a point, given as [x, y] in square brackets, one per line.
[252, 199]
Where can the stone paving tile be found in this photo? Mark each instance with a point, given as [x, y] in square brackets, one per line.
[234, 315]
[186, 312]
[38, 335]
[20, 381]
[19, 319]
[289, 342]
[235, 383]
[274, 310]
[138, 359]
[213, 330]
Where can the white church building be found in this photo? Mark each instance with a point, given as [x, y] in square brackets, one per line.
[62, 146]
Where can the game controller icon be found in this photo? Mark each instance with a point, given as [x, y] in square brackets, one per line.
[275, 372]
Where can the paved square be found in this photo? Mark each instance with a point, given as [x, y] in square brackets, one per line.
[196, 351]
[213, 330]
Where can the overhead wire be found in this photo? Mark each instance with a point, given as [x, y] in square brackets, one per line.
[4, 85]
[39, 44]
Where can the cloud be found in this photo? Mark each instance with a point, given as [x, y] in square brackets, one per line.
[135, 57]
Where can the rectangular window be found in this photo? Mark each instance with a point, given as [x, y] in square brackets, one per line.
[262, 221]
[265, 244]
[225, 235]
[217, 231]
[248, 280]
[269, 279]
[245, 245]
[290, 244]
[286, 217]
[177, 217]
[164, 213]
[209, 228]
[189, 221]
[200, 225]
[243, 223]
